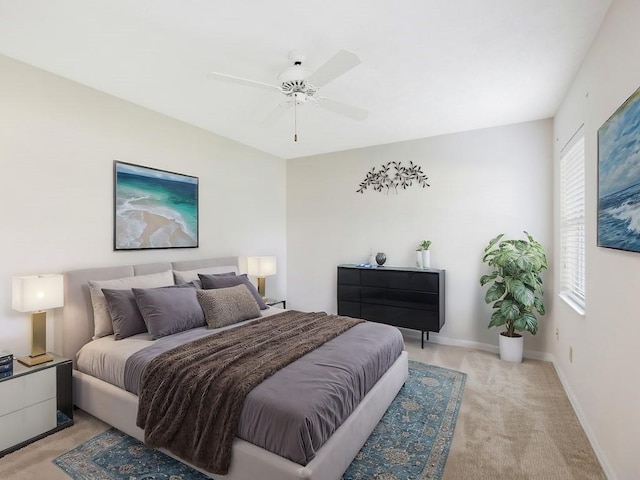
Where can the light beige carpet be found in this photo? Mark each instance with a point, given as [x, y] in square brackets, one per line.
[515, 422]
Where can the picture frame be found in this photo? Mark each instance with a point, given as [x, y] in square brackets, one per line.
[153, 208]
[619, 178]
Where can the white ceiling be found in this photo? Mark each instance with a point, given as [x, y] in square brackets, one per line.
[428, 67]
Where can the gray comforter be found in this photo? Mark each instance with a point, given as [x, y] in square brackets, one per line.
[293, 412]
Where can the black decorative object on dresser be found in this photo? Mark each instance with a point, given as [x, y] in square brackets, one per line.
[400, 296]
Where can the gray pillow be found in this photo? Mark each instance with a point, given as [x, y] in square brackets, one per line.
[101, 317]
[225, 306]
[125, 314]
[196, 281]
[212, 281]
[189, 275]
[169, 310]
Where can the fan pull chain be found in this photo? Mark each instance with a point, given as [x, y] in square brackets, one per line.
[295, 118]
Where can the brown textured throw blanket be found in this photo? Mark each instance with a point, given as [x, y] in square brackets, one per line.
[192, 396]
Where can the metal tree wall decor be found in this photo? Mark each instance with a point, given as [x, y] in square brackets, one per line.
[403, 177]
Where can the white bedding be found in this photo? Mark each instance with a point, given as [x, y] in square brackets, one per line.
[105, 357]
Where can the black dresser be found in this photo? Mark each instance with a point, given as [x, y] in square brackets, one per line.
[403, 297]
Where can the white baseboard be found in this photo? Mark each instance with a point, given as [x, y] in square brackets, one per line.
[608, 471]
[544, 356]
[437, 338]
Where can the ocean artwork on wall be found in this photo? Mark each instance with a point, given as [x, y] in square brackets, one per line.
[154, 208]
[619, 178]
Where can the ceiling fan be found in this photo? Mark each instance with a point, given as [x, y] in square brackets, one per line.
[300, 86]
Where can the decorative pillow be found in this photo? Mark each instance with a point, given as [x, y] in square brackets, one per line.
[225, 306]
[125, 314]
[211, 282]
[101, 316]
[186, 276]
[169, 310]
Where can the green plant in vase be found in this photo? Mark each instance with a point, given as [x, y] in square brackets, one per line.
[515, 284]
[424, 245]
[424, 256]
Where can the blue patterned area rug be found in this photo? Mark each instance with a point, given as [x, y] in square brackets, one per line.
[411, 441]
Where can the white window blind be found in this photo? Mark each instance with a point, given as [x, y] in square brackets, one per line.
[572, 238]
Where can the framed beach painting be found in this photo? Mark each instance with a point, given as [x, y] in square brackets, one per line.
[619, 178]
[154, 208]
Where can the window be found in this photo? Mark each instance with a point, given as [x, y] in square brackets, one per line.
[572, 239]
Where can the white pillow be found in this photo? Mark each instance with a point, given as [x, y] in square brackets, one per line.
[101, 317]
[187, 276]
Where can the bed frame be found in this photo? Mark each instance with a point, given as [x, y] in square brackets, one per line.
[118, 407]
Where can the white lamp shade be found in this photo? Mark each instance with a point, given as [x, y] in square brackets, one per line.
[37, 292]
[261, 266]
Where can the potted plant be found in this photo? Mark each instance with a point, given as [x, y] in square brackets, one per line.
[424, 256]
[515, 289]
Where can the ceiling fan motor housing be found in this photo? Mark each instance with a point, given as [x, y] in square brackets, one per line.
[298, 87]
[293, 79]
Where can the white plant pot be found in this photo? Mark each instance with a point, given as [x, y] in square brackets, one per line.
[511, 348]
[426, 259]
[419, 258]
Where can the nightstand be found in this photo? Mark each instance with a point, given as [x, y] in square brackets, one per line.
[35, 402]
[272, 302]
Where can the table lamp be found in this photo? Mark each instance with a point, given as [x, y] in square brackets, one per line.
[261, 267]
[35, 294]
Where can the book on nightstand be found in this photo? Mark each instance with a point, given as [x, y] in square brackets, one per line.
[6, 364]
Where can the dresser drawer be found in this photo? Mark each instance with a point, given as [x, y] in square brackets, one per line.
[409, 318]
[26, 390]
[348, 276]
[349, 309]
[420, 281]
[22, 425]
[349, 293]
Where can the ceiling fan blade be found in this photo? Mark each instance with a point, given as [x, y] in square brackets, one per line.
[243, 81]
[276, 114]
[340, 63]
[355, 113]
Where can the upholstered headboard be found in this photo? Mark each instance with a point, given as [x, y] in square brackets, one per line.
[78, 310]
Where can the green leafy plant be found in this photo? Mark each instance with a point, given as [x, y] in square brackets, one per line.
[515, 285]
[424, 245]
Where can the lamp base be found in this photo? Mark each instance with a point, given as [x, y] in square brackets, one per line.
[261, 286]
[35, 360]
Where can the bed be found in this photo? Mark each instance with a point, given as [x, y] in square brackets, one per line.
[118, 407]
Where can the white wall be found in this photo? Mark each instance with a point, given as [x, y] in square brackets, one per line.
[603, 378]
[58, 140]
[483, 183]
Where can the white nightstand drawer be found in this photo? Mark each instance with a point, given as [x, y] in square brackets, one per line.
[25, 424]
[26, 390]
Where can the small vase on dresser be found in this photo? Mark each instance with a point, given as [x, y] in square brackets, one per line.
[426, 259]
[424, 254]
[419, 258]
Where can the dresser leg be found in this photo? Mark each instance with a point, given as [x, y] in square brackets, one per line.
[422, 338]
